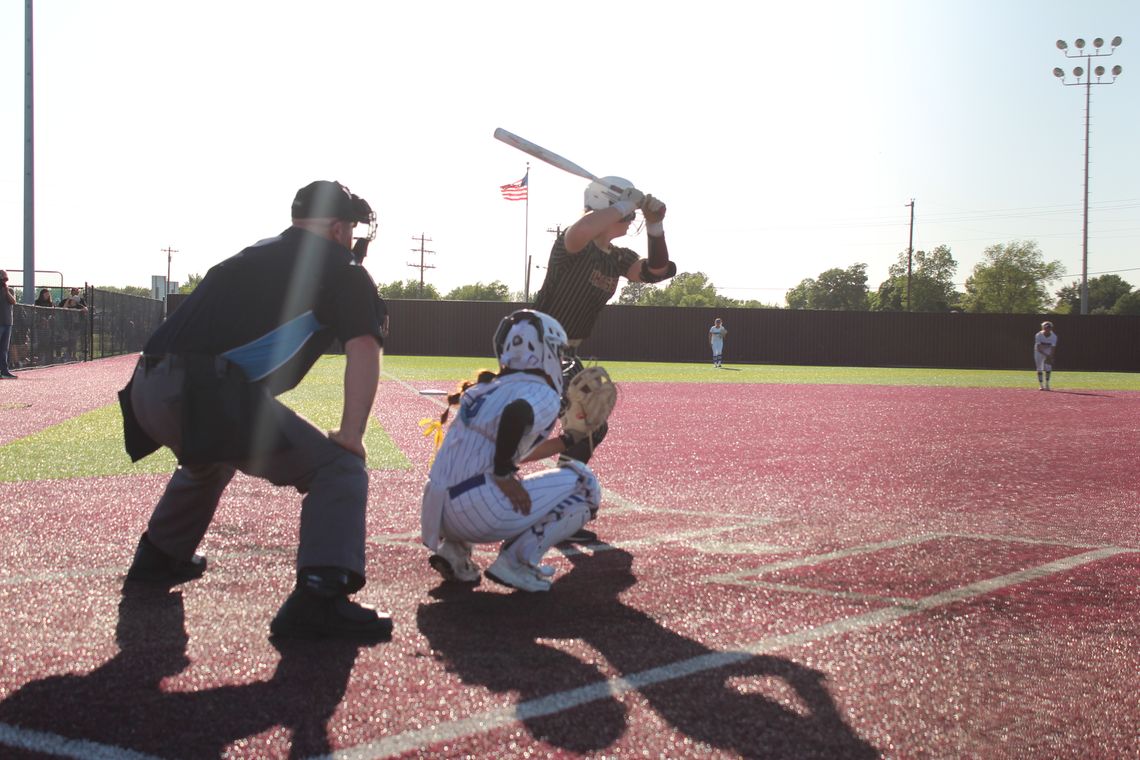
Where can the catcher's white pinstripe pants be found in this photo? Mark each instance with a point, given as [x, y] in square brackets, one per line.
[477, 512]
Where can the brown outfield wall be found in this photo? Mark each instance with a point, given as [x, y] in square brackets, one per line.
[785, 336]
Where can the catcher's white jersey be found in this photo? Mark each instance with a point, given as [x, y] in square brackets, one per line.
[1043, 356]
[469, 445]
[462, 501]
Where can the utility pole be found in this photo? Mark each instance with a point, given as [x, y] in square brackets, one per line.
[909, 253]
[529, 263]
[1087, 72]
[166, 286]
[422, 266]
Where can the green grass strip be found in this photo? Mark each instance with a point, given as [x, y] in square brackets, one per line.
[448, 371]
[91, 445]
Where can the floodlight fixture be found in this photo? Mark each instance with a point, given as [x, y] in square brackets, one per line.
[1084, 78]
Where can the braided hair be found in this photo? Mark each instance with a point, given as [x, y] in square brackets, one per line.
[481, 376]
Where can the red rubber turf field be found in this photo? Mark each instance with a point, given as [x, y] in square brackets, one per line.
[784, 571]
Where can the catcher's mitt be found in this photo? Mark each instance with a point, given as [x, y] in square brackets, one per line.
[591, 397]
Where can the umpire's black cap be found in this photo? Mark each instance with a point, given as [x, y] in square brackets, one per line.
[324, 200]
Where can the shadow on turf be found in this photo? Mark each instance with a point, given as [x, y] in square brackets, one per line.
[511, 643]
[1083, 393]
[123, 703]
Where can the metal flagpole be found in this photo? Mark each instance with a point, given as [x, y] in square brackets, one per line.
[526, 237]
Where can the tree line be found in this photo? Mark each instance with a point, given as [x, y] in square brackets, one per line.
[1012, 278]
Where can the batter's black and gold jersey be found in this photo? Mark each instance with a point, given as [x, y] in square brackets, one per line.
[578, 285]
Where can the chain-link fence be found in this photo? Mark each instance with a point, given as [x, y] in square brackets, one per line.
[95, 325]
[120, 323]
[42, 335]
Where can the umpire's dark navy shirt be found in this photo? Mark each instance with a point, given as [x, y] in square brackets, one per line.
[274, 308]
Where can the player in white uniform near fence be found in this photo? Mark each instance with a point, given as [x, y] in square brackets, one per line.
[717, 333]
[474, 494]
[1044, 351]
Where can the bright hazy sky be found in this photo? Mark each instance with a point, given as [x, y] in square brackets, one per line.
[786, 138]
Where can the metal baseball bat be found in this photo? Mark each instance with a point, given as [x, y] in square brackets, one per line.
[526, 146]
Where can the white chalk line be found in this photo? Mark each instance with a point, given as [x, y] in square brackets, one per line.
[488, 721]
[54, 744]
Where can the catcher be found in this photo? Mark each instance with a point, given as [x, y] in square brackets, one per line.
[474, 493]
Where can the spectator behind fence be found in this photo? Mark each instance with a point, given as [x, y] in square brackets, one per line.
[72, 331]
[73, 301]
[7, 310]
[44, 299]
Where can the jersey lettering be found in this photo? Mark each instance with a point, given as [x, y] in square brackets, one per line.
[602, 282]
[471, 406]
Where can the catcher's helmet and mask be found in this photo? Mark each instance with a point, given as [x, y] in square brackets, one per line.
[531, 340]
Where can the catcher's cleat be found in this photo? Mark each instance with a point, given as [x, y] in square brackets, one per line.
[453, 562]
[507, 572]
[309, 615]
[153, 565]
[583, 536]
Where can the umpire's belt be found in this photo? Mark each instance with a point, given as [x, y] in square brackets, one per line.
[462, 488]
[171, 362]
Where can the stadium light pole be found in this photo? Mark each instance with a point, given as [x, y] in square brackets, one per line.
[909, 253]
[1087, 72]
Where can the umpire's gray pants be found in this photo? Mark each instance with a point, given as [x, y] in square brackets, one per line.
[334, 482]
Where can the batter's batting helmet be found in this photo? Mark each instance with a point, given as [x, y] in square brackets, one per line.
[605, 192]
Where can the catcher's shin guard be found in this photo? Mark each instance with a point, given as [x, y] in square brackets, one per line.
[530, 546]
[566, 519]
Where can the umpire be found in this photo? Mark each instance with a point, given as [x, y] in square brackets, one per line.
[205, 387]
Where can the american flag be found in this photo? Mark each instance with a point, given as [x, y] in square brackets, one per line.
[516, 191]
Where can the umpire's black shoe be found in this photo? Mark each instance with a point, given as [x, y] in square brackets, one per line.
[307, 615]
[153, 565]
